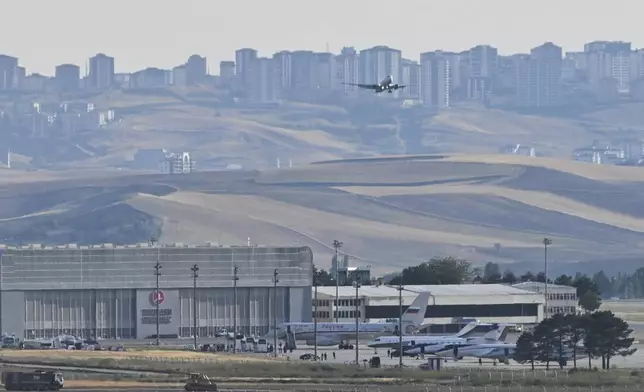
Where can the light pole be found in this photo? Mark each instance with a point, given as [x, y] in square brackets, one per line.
[235, 279]
[546, 241]
[337, 245]
[315, 319]
[157, 273]
[275, 280]
[1, 255]
[400, 330]
[195, 275]
[356, 283]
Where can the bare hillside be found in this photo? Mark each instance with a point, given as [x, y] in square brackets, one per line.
[220, 131]
[389, 212]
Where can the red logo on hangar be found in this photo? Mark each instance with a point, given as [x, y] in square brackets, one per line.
[157, 297]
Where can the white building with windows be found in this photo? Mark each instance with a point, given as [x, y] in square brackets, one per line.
[561, 299]
[174, 163]
[449, 305]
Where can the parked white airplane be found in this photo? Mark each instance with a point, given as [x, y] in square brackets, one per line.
[330, 334]
[496, 335]
[386, 84]
[502, 352]
[412, 341]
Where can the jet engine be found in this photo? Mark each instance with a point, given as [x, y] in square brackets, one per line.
[324, 341]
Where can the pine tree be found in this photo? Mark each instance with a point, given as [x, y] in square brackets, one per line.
[525, 350]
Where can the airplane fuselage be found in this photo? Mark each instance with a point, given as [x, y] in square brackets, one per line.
[307, 331]
[387, 84]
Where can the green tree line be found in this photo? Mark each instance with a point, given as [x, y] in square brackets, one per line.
[562, 338]
[450, 270]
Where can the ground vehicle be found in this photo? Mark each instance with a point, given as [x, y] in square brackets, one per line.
[200, 382]
[345, 346]
[262, 346]
[32, 381]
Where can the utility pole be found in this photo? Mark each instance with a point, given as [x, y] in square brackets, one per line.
[235, 279]
[1, 255]
[546, 241]
[275, 280]
[315, 319]
[157, 296]
[195, 275]
[400, 330]
[356, 283]
[337, 245]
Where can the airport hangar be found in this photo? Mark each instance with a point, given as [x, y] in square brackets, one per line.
[107, 291]
[449, 308]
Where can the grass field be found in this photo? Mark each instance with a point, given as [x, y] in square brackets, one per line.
[321, 374]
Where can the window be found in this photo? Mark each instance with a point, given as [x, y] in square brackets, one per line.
[500, 310]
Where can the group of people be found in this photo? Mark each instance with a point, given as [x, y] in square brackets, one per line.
[325, 356]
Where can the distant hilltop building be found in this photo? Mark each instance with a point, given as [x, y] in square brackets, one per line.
[174, 163]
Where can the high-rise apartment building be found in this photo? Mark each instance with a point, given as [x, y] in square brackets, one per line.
[101, 72]
[282, 65]
[67, 77]
[196, 69]
[245, 66]
[378, 62]
[539, 76]
[303, 76]
[347, 67]
[226, 73]
[411, 71]
[637, 64]
[609, 59]
[264, 87]
[8, 72]
[435, 79]
[546, 74]
[324, 71]
[483, 69]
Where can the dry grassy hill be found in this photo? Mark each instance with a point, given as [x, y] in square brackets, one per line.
[219, 131]
[389, 212]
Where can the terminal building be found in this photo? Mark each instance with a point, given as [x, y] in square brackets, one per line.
[109, 291]
[561, 299]
[448, 309]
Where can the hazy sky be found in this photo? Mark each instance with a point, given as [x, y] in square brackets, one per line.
[163, 33]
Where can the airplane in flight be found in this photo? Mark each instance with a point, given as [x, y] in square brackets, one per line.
[463, 336]
[331, 334]
[386, 84]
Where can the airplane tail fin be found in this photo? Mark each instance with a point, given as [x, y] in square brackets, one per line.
[498, 333]
[415, 313]
[467, 330]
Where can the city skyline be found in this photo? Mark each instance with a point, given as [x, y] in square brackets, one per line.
[68, 34]
[213, 68]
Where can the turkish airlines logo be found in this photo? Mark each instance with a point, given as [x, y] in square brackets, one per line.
[157, 297]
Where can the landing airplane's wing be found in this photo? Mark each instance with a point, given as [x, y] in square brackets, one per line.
[366, 86]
